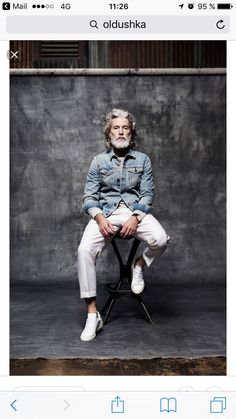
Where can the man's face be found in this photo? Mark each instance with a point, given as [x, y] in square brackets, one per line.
[120, 133]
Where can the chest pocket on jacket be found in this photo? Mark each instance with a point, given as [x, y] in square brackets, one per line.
[134, 175]
[107, 176]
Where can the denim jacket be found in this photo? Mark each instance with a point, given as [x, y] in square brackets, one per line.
[109, 182]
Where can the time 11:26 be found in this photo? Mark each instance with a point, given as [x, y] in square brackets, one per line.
[120, 6]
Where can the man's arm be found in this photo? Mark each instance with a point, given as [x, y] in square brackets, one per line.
[146, 189]
[94, 211]
[144, 205]
[91, 201]
[92, 188]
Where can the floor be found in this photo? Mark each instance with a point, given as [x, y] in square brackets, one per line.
[188, 331]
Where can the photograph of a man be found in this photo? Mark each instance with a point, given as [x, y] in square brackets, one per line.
[76, 202]
[118, 197]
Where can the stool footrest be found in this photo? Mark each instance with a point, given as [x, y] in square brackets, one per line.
[111, 288]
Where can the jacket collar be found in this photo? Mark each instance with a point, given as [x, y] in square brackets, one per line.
[131, 153]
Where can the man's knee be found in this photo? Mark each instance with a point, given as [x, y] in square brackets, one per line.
[85, 250]
[159, 242]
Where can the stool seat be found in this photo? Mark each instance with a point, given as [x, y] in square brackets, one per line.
[123, 285]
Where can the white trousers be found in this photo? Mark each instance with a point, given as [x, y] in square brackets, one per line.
[92, 243]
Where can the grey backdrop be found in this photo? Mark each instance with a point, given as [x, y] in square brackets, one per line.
[56, 129]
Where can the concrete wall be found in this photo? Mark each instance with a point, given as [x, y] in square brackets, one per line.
[56, 129]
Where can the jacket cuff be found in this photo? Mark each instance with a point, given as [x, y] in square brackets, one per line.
[91, 204]
[142, 207]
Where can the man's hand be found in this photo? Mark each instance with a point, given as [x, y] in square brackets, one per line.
[129, 228]
[106, 227]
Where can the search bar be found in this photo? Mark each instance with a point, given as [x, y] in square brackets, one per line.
[117, 24]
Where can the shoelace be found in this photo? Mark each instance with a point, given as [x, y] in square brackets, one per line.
[138, 277]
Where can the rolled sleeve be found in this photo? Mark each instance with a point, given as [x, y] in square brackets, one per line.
[140, 213]
[94, 211]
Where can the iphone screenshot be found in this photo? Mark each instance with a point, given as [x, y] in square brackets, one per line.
[117, 291]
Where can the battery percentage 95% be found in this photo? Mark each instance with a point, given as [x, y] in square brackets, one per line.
[206, 6]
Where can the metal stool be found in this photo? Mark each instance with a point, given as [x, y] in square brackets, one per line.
[120, 287]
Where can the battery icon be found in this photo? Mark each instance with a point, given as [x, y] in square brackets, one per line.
[224, 6]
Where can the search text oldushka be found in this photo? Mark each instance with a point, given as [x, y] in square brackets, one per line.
[130, 24]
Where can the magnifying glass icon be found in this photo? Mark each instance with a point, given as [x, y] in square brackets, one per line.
[93, 24]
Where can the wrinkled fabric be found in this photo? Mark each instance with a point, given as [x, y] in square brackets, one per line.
[92, 243]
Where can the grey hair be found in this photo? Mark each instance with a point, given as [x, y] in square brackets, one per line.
[119, 113]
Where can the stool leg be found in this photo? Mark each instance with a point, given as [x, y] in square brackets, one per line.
[110, 302]
[144, 308]
[104, 309]
[125, 272]
[116, 250]
[133, 251]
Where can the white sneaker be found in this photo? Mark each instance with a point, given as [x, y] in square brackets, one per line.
[93, 324]
[137, 284]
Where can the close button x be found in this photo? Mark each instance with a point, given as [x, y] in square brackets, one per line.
[14, 55]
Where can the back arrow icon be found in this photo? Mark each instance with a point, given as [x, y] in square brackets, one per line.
[12, 405]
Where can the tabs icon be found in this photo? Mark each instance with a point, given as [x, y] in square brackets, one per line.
[218, 405]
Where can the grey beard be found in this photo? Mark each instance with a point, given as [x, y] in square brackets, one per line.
[120, 144]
